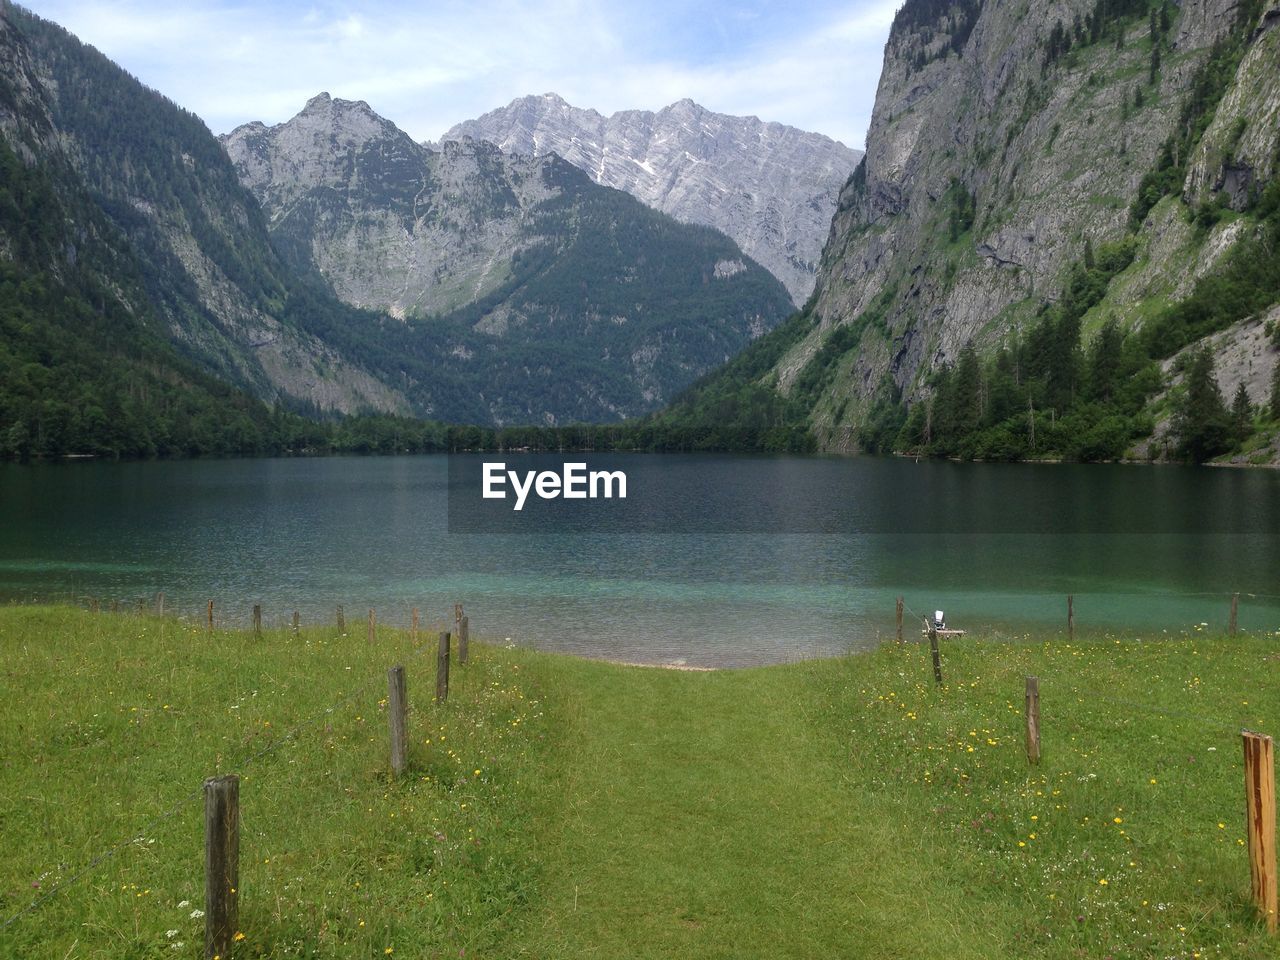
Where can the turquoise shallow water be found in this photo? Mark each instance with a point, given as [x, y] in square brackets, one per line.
[997, 547]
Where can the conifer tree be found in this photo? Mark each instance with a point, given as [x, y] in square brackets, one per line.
[1201, 424]
[1241, 414]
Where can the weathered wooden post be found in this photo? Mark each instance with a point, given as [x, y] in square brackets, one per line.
[342, 622]
[457, 617]
[442, 669]
[464, 637]
[297, 623]
[373, 625]
[142, 606]
[1260, 814]
[1071, 616]
[900, 605]
[210, 615]
[397, 717]
[1233, 622]
[413, 629]
[221, 864]
[160, 604]
[1033, 719]
[257, 621]
[933, 649]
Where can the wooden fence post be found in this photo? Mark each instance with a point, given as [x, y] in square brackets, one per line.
[464, 637]
[257, 621]
[296, 622]
[1260, 811]
[1071, 616]
[397, 715]
[211, 615]
[900, 605]
[933, 650]
[442, 669]
[1033, 719]
[457, 617]
[160, 604]
[342, 622]
[413, 629]
[142, 606]
[1233, 622]
[221, 864]
[373, 625]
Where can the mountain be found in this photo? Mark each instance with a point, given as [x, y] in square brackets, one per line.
[1057, 199]
[88, 359]
[770, 187]
[546, 297]
[176, 219]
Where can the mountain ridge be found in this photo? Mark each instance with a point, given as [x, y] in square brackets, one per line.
[494, 258]
[769, 186]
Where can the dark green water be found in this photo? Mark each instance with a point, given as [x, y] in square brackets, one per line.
[825, 545]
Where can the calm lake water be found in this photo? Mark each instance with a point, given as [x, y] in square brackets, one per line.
[716, 560]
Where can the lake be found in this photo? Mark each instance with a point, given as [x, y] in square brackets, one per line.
[711, 559]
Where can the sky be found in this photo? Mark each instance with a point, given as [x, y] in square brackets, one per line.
[812, 64]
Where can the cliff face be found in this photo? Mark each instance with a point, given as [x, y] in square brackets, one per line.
[770, 187]
[998, 150]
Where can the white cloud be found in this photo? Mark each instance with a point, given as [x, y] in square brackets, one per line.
[428, 67]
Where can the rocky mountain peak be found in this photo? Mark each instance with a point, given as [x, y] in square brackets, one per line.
[770, 187]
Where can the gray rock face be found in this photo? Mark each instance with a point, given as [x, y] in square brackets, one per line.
[392, 225]
[969, 116]
[770, 187]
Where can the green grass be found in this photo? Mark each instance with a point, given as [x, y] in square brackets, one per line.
[832, 808]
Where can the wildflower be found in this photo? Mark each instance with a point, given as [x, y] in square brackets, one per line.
[239, 936]
[1102, 882]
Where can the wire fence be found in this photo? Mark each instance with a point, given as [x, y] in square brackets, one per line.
[195, 794]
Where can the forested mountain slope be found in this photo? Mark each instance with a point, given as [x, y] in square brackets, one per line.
[1057, 198]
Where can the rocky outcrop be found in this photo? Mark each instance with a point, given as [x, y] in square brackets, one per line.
[1244, 353]
[770, 187]
[991, 162]
[390, 224]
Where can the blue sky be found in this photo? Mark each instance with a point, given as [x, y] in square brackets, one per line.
[809, 63]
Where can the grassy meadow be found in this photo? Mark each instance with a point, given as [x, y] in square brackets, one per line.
[561, 808]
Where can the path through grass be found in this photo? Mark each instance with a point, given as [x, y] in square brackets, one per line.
[558, 808]
[714, 815]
